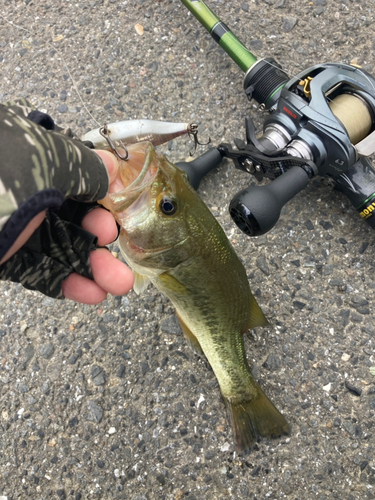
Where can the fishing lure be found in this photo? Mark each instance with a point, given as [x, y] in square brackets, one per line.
[128, 132]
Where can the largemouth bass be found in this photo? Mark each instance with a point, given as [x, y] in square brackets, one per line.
[169, 237]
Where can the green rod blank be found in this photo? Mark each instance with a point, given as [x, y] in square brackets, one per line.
[221, 34]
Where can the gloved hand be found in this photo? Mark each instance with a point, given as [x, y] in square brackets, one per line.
[48, 185]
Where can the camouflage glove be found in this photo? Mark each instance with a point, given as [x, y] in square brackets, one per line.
[45, 169]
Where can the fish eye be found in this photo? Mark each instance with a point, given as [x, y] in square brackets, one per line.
[168, 206]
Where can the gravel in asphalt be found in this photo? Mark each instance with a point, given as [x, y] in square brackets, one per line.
[108, 401]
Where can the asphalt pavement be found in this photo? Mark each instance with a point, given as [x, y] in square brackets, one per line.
[108, 401]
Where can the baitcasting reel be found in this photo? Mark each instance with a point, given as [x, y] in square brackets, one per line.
[321, 123]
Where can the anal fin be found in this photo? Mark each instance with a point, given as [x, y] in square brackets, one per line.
[257, 318]
[191, 339]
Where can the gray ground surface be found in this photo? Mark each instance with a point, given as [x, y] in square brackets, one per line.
[108, 401]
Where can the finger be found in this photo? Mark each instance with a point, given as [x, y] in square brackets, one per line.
[110, 162]
[102, 224]
[83, 290]
[110, 273]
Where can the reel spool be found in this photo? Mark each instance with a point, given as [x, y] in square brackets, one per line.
[354, 114]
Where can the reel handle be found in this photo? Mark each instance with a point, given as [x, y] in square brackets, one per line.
[256, 209]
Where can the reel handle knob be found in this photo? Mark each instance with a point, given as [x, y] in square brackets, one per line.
[256, 209]
[200, 167]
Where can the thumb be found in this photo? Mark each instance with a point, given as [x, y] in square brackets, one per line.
[110, 161]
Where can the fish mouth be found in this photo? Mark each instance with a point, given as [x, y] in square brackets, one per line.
[136, 176]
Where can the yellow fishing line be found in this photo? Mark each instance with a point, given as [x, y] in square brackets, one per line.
[353, 114]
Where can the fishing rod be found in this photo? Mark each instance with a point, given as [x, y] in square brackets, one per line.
[320, 122]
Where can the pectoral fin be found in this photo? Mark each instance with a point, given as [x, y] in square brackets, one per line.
[191, 339]
[172, 284]
[140, 282]
[257, 317]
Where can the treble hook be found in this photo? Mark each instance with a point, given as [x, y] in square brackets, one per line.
[193, 134]
[104, 132]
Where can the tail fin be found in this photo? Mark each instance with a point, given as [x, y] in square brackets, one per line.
[254, 418]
